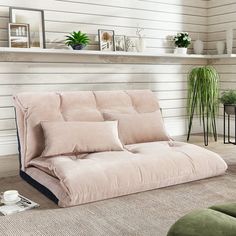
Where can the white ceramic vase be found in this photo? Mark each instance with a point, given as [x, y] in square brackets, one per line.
[220, 47]
[198, 47]
[140, 44]
[181, 50]
[229, 41]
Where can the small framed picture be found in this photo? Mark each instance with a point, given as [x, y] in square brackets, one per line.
[35, 19]
[19, 35]
[106, 40]
[120, 42]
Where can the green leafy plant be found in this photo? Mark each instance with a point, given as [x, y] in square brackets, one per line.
[203, 99]
[228, 97]
[182, 40]
[77, 38]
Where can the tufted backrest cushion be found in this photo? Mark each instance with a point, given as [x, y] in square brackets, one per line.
[32, 108]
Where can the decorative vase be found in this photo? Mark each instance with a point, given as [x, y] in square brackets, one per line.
[140, 45]
[78, 46]
[229, 41]
[198, 47]
[181, 50]
[220, 46]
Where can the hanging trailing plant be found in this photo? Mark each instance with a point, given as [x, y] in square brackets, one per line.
[203, 97]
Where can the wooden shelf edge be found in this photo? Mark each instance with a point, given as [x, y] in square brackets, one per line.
[7, 50]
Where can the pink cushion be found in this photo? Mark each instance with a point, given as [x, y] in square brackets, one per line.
[32, 108]
[139, 128]
[65, 138]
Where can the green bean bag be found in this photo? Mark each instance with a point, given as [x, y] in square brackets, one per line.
[217, 221]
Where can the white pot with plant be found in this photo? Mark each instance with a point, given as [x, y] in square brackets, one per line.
[182, 41]
[140, 43]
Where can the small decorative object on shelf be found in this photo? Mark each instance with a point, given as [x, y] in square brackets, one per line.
[182, 41]
[106, 40]
[203, 96]
[140, 42]
[77, 40]
[120, 42]
[220, 47]
[229, 40]
[198, 46]
[35, 19]
[18, 35]
[130, 44]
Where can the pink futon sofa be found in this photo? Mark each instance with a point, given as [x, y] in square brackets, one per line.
[85, 146]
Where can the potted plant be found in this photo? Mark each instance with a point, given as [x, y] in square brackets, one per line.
[228, 99]
[77, 40]
[203, 99]
[182, 41]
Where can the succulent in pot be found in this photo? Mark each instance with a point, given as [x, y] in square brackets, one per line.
[228, 99]
[77, 40]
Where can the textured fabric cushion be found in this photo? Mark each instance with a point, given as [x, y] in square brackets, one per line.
[228, 208]
[80, 106]
[140, 127]
[32, 108]
[64, 138]
[204, 223]
[145, 166]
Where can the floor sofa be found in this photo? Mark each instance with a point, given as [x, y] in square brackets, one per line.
[66, 155]
[218, 220]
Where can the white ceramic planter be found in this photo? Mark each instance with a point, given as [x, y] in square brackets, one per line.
[220, 47]
[198, 47]
[181, 50]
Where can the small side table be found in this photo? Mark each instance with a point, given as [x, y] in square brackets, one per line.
[229, 110]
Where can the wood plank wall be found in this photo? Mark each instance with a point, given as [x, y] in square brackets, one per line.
[160, 18]
[222, 15]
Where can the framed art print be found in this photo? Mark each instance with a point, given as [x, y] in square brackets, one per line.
[120, 42]
[35, 19]
[106, 40]
[18, 35]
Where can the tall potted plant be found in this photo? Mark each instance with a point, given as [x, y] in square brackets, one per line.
[203, 97]
[182, 41]
[228, 99]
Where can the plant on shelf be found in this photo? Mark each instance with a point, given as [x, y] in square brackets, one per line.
[182, 41]
[77, 40]
[228, 99]
[203, 99]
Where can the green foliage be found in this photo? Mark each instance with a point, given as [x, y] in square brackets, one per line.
[228, 97]
[76, 38]
[203, 97]
[182, 40]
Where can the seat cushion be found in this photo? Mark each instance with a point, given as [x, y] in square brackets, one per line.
[145, 166]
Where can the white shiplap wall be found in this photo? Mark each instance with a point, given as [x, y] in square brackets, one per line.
[221, 16]
[160, 18]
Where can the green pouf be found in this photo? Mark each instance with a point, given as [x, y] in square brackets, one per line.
[207, 222]
[229, 209]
